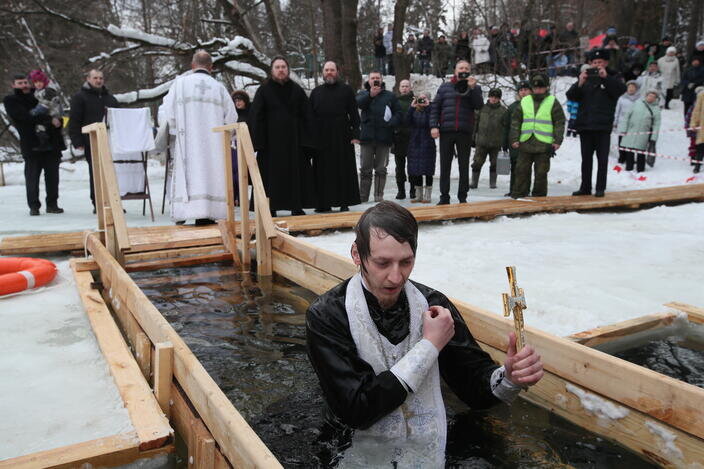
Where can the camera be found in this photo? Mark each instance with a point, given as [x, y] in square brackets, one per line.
[592, 72]
[421, 101]
[377, 83]
[463, 75]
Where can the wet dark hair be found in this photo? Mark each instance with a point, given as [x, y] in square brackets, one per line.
[389, 217]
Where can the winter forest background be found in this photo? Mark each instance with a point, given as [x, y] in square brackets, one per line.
[141, 45]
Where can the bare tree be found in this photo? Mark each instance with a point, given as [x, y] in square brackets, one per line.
[402, 65]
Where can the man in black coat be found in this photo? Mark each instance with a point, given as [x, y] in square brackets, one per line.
[336, 121]
[452, 120]
[283, 138]
[21, 107]
[597, 92]
[88, 106]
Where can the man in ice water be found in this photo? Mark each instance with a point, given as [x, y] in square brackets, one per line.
[379, 344]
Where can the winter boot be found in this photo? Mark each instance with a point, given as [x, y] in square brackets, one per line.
[412, 191]
[365, 185]
[379, 184]
[427, 191]
[401, 194]
[492, 180]
[419, 192]
[475, 180]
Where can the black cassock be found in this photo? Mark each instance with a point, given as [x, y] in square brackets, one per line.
[356, 396]
[336, 121]
[281, 132]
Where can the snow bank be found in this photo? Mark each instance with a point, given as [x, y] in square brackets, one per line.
[56, 387]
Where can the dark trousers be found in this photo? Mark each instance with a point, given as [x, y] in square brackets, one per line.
[592, 141]
[400, 159]
[449, 143]
[47, 161]
[621, 152]
[417, 181]
[89, 159]
[668, 97]
[640, 164]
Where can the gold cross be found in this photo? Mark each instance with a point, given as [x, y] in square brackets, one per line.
[515, 303]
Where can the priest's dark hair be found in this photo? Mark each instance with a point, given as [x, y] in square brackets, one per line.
[280, 57]
[389, 217]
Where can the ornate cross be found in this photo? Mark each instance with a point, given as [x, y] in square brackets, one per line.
[515, 303]
[202, 87]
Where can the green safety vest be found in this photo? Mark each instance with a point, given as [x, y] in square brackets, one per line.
[539, 124]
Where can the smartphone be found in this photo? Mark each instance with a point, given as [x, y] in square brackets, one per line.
[592, 72]
[421, 101]
[463, 75]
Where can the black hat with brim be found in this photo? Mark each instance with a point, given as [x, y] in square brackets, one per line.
[599, 54]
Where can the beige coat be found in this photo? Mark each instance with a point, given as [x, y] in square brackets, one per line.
[698, 117]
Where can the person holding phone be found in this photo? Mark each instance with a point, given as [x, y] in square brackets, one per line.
[597, 90]
[381, 113]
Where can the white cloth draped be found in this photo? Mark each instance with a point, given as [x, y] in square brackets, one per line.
[414, 434]
[130, 134]
[195, 104]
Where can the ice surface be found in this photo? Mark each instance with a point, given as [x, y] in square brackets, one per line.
[56, 387]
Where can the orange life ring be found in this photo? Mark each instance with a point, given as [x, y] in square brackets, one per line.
[22, 273]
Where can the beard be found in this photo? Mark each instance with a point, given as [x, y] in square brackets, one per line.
[330, 80]
[280, 79]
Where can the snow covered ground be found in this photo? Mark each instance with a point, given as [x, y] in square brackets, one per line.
[56, 387]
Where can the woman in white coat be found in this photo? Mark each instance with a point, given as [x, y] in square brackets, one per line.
[480, 48]
[670, 69]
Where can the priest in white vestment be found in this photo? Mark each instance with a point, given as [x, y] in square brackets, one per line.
[193, 106]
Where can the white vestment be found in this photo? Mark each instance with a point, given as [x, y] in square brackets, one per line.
[193, 106]
[414, 434]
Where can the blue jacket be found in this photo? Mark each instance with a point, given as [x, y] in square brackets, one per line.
[453, 111]
[421, 146]
[374, 128]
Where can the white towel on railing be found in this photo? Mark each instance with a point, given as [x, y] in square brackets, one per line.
[130, 135]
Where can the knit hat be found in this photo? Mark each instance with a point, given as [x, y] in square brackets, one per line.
[599, 54]
[633, 82]
[671, 49]
[38, 75]
[700, 44]
[539, 80]
[495, 92]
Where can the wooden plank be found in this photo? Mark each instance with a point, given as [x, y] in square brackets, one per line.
[85, 265]
[632, 430]
[229, 182]
[171, 253]
[603, 334]
[182, 262]
[163, 374]
[257, 185]
[327, 261]
[228, 238]
[152, 427]
[109, 451]
[110, 186]
[187, 422]
[263, 246]
[236, 438]
[143, 352]
[694, 313]
[97, 180]
[673, 402]
[245, 231]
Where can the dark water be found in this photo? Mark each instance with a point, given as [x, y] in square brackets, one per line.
[676, 351]
[250, 337]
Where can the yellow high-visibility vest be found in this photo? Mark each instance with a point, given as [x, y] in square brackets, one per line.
[539, 124]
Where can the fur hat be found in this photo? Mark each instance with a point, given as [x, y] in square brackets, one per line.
[671, 49]
[38, 75]
[240, 94]
[599, 54]
[700, 44]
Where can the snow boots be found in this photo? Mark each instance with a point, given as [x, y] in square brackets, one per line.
[401, 194]
[475, 180]
[427, 191]
[492, 180]
[379, 184]
[419, 195]
[365, 185]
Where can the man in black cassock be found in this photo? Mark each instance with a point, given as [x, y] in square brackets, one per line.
[379, 344]
[281, 133]
[336, 121]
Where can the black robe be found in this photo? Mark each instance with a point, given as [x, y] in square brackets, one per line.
[336, 121]
[357, 397]
[281, 132]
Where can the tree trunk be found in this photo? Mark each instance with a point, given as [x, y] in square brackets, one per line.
[401, 63]
[272, 12]
[313, 41]
[332, 30]
[349, 43]
[694, 21]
